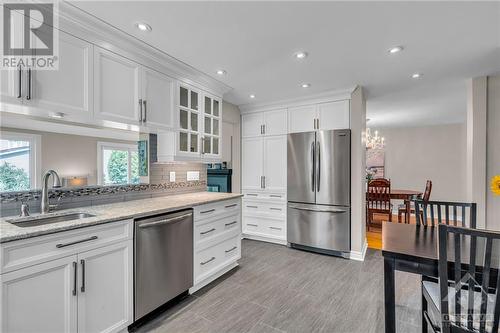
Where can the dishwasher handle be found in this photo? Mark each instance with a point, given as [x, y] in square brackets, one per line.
[165, 221]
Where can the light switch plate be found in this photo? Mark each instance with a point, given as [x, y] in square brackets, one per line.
[172, 176]
[193, 175]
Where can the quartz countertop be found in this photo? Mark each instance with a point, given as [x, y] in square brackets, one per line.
[110, 213]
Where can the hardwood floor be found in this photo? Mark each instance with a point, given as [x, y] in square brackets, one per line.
[374, 235]
[278, 289]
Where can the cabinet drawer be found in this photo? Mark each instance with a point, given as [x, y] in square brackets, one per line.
[264, 227]
[212, 259]
[205, 233]
[216, 209]
[265, 196]
[270, 209]
[31, 251]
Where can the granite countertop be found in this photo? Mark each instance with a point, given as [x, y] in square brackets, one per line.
[112, 212]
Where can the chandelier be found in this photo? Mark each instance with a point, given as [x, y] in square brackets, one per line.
[374, 141]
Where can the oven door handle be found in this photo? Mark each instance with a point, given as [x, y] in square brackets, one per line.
[166, 221]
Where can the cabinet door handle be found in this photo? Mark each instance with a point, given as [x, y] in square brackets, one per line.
[140, 110]
[231, 249]
[74, 277]
[207, 232]
[82, 288]
[19, 85]
[206, 262]
[230, 223]
[264, 127]
[145, 111]
[261, 181]
[264, 179]
[261, 131]
[28, 84]
[76, 242]
[208, 211]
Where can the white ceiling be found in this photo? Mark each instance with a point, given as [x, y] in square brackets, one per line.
[347, 44]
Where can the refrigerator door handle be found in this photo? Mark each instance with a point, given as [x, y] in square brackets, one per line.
[313, 160]
[318, 166]
[324, 210]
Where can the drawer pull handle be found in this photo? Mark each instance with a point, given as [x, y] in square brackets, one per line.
[252, 207]
[207, 232]
[274, 228]
[252, 225]
[252, 195]
[76, 242]
[206, 262]
[231, 249]
[230, 223]
[230, 206]
[275, 196]
[208, 211]
[272, 208]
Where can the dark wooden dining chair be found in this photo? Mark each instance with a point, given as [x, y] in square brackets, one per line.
[378, 199]
[425, 197]
[450, 213]
[467, 297]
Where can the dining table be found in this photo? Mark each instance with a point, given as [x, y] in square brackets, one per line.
[407, 196]
[414, 248]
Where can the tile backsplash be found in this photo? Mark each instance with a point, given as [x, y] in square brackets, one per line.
[75, 197]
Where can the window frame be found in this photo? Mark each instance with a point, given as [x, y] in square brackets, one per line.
[101, 146]
[35, 153]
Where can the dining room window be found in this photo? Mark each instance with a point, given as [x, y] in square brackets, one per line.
[19, 161]
[117, 163]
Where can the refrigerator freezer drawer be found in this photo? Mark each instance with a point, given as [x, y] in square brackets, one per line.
[318, 226]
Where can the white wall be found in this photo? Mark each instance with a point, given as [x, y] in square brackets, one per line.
[231, 127]
[438, 153]
[493, 151]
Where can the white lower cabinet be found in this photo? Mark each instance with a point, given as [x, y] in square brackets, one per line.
[40, 298]
[217, 240]
[84, 291]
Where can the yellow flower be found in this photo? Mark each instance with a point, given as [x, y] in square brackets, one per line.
[495, 185]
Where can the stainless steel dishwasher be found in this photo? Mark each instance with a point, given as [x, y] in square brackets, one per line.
[163, 259]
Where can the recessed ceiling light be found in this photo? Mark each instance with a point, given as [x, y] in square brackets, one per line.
[305, 85]
[301, 55]
[221, 72]
[395, 49]
[252, 96]
[416, 76]
[143, 26]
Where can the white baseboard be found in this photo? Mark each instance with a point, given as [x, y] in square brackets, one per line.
[265, 239]
[359, 256]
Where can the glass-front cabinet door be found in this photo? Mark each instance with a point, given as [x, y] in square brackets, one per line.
[189, 116]
[211, 140]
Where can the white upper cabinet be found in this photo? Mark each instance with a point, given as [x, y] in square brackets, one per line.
[252, 163]
[302, 119]
[211, 120]
[275, 163]
[40, 298]
[275, 122]
[188, 113]
[105, 288]
[116, 88]
[264, 123]
[69, 89]
[333, 115]
[251, 124]
[157, 99]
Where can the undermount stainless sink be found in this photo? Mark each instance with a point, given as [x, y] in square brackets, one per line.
[41, 220]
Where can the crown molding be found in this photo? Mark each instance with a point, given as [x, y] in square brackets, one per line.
[83, 25]
[323, 97]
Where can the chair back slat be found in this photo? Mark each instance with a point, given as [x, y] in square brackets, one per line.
[450, 213]
[470, 278]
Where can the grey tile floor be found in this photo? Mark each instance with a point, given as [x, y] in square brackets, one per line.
[277, 289]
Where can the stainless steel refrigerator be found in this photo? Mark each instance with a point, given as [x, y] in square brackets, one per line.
[319, 191]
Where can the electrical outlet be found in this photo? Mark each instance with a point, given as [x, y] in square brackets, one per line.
[172, 176]
[193, 175]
